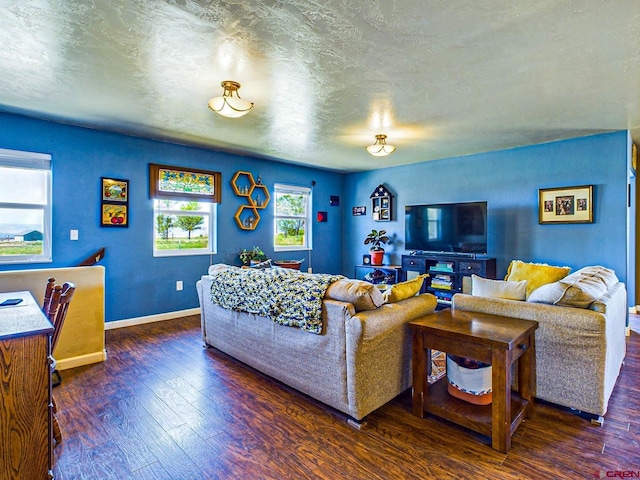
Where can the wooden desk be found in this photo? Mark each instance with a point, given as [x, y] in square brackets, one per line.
[26, 447]
[493, 339]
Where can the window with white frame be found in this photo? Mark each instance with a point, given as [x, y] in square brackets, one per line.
[25, 207]
[183, 228]
[292, 227]
[184, 210]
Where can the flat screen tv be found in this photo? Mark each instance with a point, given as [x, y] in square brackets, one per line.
[446, 227]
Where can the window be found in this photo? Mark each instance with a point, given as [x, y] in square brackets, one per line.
[292, 218]
[184, 210]
[183, 228]
[25, 207]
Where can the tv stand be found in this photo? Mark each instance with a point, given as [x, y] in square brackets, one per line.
[449, 273]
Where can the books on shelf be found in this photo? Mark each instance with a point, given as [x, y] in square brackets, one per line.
[443, 297]
[442, 283]
[443, 266]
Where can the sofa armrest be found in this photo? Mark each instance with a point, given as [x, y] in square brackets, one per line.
[376, 324]
[379, 352]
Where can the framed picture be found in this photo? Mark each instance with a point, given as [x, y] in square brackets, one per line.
[356, 211]
[565, 205]
[115, 190]
[114, 215]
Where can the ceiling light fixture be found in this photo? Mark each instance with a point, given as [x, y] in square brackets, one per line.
[380, 148]
[229, 105]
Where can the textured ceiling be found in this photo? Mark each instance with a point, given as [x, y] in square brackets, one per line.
[440, 77]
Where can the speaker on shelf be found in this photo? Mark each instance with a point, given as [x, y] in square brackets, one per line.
[366, 259]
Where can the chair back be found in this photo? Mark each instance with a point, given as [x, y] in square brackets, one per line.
[47, 295]
[58, 306]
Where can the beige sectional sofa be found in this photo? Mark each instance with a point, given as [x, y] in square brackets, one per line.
[580, 341]
[359, 362]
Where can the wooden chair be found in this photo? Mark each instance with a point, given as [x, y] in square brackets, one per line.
[47, 295]
[55, 306]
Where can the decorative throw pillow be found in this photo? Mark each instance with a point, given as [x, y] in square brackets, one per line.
[403, 290]
[579, 290]
[485, 287]
[607, 275]
[536, 274]
[363, 295]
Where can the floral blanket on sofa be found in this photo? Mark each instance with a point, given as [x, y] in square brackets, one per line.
[286, 296]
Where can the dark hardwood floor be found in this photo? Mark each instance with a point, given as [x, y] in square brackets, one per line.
[163, 407]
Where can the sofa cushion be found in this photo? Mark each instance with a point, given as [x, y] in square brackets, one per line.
[403, 290]
[536, 274]
[579, 290]
[363, 295]
[485, 287]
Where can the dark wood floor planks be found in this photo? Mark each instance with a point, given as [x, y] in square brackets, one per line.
[163, 407]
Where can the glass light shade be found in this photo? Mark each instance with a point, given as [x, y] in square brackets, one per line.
[230, 105]
[380, 148]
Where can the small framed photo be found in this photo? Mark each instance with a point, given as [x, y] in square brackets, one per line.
[114, 215]
[565, 205]
[356, 211]
[115, 190]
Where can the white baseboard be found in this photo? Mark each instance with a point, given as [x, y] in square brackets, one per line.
[81, 360]
[130, 322]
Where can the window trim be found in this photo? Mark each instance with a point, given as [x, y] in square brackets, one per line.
[33, 161]
[308, 192]
[213, 228]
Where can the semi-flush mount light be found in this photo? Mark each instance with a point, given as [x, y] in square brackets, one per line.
[380, 148]
[229, 105]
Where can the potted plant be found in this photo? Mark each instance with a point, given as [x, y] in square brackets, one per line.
[376, 239]
[256, 255]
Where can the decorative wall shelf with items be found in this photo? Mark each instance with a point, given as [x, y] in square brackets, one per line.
[381, 206]
[257, 195]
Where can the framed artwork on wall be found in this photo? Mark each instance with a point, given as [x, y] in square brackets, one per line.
[115, 190]
[114, 204]
[357, 211]
[565, 205]
[114, 215]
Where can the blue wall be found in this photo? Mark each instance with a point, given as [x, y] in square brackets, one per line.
[509, 181]
[138, 284]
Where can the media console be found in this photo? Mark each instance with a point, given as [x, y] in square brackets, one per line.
[448, 273]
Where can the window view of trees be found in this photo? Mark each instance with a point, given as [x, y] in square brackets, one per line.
[178, 230]
[291, 219]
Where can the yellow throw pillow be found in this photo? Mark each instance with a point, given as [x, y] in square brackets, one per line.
[536, 274]
[404, 290]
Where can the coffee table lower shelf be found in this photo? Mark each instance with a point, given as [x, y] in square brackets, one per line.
[440, 403]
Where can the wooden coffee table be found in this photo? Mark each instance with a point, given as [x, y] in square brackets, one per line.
[493, 339]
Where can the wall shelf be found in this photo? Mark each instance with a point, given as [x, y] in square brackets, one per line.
[257, 195]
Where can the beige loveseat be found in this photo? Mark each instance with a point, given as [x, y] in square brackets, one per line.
[580, 341]
[359, 362]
